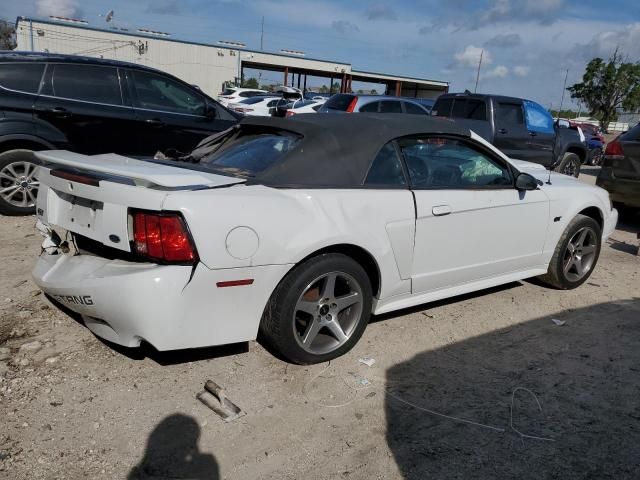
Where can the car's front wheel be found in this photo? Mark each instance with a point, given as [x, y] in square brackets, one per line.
[319, 311]
[576, 254]
[18, 184]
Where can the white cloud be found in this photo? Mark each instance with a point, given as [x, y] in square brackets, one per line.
[499, 72]
[60, 8]
[470, 56]
[521, 70]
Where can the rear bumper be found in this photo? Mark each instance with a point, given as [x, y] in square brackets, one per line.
[626, 192]
[164, 305]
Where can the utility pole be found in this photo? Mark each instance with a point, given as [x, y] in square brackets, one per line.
[262, 34]
[478, 74]
[564, 87]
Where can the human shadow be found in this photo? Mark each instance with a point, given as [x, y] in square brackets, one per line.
[172, 452]
[585, 373]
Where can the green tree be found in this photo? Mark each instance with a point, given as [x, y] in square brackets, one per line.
[374, 91]
[608, 86]
[7, 36]
[251, 83]
[323, 89]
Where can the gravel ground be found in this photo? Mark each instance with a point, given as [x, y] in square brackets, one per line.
[73, 407]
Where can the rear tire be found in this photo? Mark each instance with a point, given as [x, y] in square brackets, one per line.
[319, 310]
[576, 254]
[570, 165]
[18, 185]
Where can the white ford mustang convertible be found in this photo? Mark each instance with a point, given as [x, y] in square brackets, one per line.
[297, 230]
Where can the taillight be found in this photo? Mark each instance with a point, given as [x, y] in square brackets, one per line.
[614, 149]
[163, 237]
[352, 104]
[290, 113]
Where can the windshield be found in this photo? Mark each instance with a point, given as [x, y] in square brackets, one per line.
[228, 91]
[304, 103]
[253, 100]
[247, 154]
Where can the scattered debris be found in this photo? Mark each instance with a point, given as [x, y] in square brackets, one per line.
[214, 397]
[30, 347]
[5, 353]
[559, 323]
[370, 394]
[24, 314]
[20, 283]
[430, 315]
[364, 381]
[368, 361]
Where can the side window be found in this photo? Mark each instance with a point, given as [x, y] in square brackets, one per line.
[475, 110]
[157, 92]
[24, 77]
[90, 83]
[273, 103]
[538, 118]
[510, 114]
[448, 163]
[370, 107]
[459, 106]
[442, 108]
[386, 169]
[413, 109]
[390, 106]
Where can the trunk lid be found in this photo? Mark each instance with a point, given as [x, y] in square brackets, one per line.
[91, 195]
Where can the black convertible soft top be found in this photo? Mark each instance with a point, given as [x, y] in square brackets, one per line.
[337, 149]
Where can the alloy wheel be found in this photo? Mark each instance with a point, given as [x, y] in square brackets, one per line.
[570, 169]
[18, 185]
[327, 312]
[580, 254]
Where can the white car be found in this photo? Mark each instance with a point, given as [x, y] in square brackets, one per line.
[301, 228]
[260, 106]
[305, 106]
[236, 94]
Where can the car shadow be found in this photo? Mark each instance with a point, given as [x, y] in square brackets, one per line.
[585, 374]
[172, 452]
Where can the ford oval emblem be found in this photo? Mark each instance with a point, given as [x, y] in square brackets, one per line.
[114, 238]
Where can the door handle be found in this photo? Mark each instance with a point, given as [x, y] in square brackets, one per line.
[502, 130]
[533, 134]
[60, 112]
[440, 210]
[155, 122]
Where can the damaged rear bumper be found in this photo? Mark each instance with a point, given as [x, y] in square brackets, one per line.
[169, 306]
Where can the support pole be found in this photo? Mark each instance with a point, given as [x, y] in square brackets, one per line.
[475, 89]
[286, 75]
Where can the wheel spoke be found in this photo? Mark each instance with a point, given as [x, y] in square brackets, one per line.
[329, 287]
[588, 249]
[311, 332]
[336, 330]
[8, 189]
[11, 170]
[11, 178]
[32, 199]
[308, 307]
[579, 267]
[33, 171]
[568, 264]
[571, 247]
[346, 301]
[582, 237]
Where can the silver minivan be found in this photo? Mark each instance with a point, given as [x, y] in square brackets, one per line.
[349, 102]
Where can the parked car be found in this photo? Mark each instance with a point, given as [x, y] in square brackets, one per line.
[258, 106]
[91, 106]
[323, 220]
[595, 143]
[520, 128]
[349, 102]
[427, 103]
[237, 94]
[620, 172]
[291, 97]
[305, 106]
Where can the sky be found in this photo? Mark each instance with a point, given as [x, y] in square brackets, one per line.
[527, 45]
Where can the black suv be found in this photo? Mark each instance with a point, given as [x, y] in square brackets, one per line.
[91, 106]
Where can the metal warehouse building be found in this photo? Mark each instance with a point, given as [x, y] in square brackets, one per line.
[209, 66]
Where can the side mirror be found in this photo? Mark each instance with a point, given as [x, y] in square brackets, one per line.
[524, 181]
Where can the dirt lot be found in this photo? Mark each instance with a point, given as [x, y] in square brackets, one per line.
[73, 407]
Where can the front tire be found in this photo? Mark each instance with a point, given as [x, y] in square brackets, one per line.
[576, 254]
[319, 311]
[18, 185]
[570, 165]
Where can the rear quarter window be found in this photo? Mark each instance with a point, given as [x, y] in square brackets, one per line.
[442, 108]
[339, 101]
[89, 83]
[24, 77]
